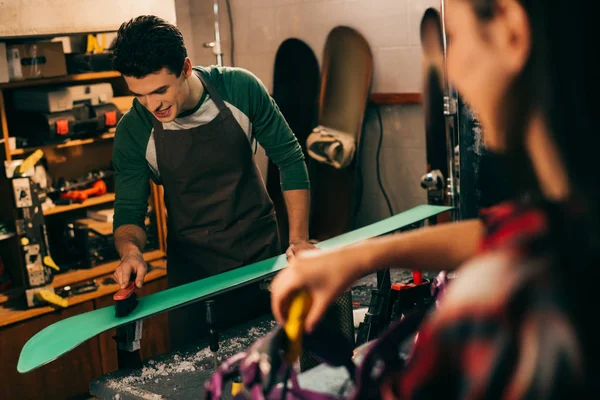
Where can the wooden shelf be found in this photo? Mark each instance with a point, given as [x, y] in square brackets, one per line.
[71, 143]
[68, 278]
[81, 275]
[11, 294]
[91, 76]
[5, 236]
[10, 315]
[92, 201]
[396, 98]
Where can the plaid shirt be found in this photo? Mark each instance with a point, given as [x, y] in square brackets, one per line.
[501, 331]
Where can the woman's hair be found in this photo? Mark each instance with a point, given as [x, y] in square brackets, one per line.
[560, 81]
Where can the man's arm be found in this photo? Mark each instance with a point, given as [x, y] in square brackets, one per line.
[327, 273]
[273, 133]
[129, 241]
[132, 189]
[441, 247]
[298, 207]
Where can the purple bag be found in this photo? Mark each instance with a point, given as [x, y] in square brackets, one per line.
[262, 370]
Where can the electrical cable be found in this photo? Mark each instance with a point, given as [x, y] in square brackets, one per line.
[377, 162]
[230, 31]
[359, 182]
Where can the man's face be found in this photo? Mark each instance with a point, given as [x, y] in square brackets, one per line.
[162, 93]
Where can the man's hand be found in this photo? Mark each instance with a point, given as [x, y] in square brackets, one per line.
[132, 263]
[296, 247]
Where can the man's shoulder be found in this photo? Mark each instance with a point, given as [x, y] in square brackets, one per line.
[226, 75]
[135, 123]
[236, 85]
[133, 132]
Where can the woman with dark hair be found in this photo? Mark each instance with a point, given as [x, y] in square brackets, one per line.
[516, 322]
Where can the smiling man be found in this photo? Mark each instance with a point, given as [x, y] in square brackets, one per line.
[192, 129]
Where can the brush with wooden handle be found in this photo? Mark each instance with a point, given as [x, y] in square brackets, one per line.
[126, 300]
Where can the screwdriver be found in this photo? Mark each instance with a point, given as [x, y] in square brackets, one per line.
[213, 334]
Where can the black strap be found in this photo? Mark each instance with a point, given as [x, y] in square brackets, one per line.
[213, 94]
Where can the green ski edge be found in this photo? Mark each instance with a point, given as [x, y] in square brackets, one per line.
[63, 336]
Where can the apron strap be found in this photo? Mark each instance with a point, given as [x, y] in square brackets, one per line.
[213, 94]
[210, 89]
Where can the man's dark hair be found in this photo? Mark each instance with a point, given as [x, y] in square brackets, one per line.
[147, 44]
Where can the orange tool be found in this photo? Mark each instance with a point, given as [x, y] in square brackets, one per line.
[79, 196]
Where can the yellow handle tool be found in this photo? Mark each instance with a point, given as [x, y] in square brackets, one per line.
[29, 162]
[52, 298]
[294, 326]
[49, 262]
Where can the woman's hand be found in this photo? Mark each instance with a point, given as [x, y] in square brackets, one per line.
[324, 274]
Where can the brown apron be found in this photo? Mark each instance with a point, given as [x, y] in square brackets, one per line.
[220, 216]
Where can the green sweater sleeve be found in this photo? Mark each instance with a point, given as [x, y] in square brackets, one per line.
[132, 175]
[272, 131]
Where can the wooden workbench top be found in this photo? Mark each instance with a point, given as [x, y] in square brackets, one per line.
[16, 311]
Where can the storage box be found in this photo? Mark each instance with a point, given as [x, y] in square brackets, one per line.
[43, 100]
[4, 77]
[51, 100]
[36, 60]
[106, 215]
[95, 94]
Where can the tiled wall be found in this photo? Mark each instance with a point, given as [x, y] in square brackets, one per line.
[48, 17]
[392, 29]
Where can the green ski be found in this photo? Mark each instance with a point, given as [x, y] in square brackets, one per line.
[63, 336]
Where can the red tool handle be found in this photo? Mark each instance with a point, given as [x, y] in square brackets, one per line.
[98, 189]
[417, 277]
[124, 293]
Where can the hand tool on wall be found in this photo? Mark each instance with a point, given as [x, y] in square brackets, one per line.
[63, 185]
[28, 163]
[50, 297]
[31, 232]
[79, 196]
[78, 288]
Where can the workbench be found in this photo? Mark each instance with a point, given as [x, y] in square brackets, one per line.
[95, 357]
[182, 374]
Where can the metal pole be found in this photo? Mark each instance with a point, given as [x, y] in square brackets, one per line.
[217, 48]
[216, 44]
[451, 113]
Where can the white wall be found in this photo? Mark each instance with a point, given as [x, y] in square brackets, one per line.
[390, 26]
[392, 29]
[49, 17]
[184, 23]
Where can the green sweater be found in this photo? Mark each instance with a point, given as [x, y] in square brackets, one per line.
[134, 151]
